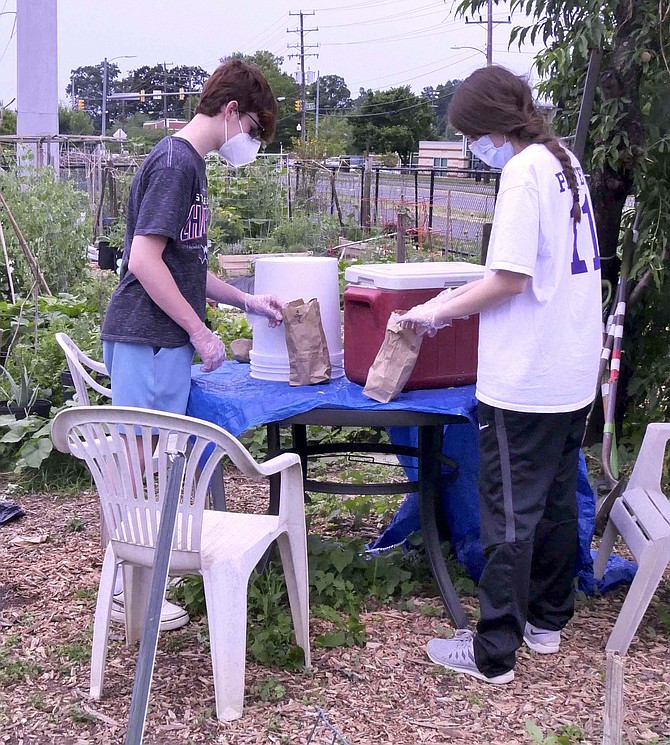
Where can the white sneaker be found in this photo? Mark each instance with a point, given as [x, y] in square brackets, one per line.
[172, 616]
[458, 654]
[541, 640]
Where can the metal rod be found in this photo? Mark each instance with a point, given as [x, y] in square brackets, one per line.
[159, 575]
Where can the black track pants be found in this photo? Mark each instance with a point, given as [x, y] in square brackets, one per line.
[528, 518]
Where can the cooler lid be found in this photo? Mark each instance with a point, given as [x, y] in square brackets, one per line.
[413, 276]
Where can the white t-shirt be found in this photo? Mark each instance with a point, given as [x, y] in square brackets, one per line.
[539, 351]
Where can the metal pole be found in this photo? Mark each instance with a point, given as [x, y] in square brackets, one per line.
[316, 125]
[165, 97]
[103, 128]
[430, 199]
[159, 575]
[489, 34]
[303, 131]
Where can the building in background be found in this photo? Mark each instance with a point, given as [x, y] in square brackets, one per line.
[172, 124]
[452, 155]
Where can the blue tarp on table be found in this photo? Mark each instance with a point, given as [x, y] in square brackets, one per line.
[231, 398]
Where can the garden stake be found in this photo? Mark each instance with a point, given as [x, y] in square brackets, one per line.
[8, 267]
[609, 386]
[34, 268]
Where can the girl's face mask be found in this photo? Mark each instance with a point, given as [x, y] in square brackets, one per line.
[240, 149]
[496, 157]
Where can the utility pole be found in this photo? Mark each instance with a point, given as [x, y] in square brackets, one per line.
[165, 121]
[103, 128]
[489, 30]
[302, 30]
[489, 33]
[316, 120]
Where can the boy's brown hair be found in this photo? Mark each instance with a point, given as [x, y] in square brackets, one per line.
[494, 99]
[236, 80]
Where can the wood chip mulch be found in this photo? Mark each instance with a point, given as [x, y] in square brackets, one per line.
[385, 692]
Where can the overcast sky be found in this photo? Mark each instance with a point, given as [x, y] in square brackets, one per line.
[375, 44]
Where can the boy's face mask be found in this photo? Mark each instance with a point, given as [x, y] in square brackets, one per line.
[496, 157]
[240, 149]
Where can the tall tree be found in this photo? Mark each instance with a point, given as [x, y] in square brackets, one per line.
[440, 98]
[170, 80]
[333, 94]
[86, 84]
[392, 121]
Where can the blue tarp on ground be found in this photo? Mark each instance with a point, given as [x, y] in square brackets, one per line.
[460, 511]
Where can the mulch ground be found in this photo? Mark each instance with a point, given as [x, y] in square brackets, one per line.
[385, 692]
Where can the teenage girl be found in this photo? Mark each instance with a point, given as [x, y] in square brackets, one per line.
[539, 344]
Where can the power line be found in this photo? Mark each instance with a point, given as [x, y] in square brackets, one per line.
[414, 13]
[409, 35]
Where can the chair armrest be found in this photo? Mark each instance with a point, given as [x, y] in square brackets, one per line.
[278, 463]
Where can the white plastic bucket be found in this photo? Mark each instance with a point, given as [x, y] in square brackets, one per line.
[290, 278]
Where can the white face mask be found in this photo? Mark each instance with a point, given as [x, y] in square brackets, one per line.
[496, 157]
[240, 149]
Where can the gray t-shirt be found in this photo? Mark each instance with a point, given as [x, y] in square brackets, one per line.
[168, 197]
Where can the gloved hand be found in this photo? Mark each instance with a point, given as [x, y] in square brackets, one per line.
[265, 305]
[427, 318]
[209, 347]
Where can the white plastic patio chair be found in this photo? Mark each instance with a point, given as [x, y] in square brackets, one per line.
[223, 547]
[641, 516]
[80, 366]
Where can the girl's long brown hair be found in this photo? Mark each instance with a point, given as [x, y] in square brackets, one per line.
[494, 99]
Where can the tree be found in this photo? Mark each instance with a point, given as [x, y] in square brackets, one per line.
[333, 94]
[440, 98]
[286, 91]
[158, 78]
[392, 121]
[74, 122]
[7, 121]
[334, 137]
[86, 83]
[627, 154]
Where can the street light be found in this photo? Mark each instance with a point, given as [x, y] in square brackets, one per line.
[103, 129]
[477, 49]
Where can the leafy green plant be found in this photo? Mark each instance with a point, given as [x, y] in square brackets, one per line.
[565, 735]
[268, 689]
[55, 222]
[342, 579]
[20, 393]
[26, 443]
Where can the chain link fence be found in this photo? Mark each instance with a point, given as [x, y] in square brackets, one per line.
[445, 211]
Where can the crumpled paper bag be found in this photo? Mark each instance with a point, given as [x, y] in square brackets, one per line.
[394, 362]
[308, 356]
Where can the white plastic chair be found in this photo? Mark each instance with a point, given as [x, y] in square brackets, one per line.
[641, 516]
[223, 547]
[80, 366]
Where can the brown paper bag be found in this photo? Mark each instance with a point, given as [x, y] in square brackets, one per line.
[308, 356]
[394, 362]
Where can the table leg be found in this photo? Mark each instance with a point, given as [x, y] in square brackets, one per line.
[217, 489]
[299, 435]
[275, 480]
[430, 450]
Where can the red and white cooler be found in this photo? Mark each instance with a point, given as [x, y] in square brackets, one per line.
[374, 291]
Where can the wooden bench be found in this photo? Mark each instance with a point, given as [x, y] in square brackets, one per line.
[241, 265]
